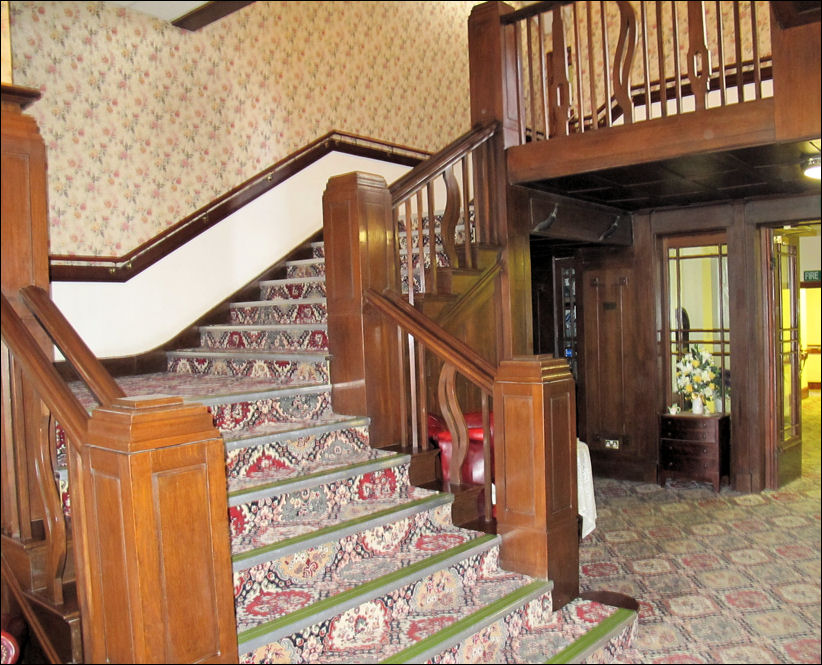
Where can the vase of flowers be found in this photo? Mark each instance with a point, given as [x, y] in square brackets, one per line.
[696, 376]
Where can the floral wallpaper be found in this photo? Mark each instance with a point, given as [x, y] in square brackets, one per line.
[144, 122]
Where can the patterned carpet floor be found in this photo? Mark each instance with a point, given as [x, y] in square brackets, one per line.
[721, 578]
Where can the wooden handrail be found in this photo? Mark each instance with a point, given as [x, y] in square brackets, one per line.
[48, 383]
[443, 344]
[90, 369]
[403, 187]
[67, 267]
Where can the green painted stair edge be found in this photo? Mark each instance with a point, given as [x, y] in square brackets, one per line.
[256, 492]
[363, 590]
[434, 500]
[442, 639]
[599, 635]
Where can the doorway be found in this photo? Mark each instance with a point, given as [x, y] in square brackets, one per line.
[786, 349]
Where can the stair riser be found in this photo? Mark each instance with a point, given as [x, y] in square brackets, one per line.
[310, 339]
[282, 372]
[387, 624]
[237, 416]
[280, 313]
[290, 453]
[298, 510]
[297, 269]
[345, 563]
[292, 290]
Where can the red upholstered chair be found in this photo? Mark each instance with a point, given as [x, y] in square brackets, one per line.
[10, 648]
[473, 468]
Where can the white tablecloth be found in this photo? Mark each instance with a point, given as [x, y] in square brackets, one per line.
[587, 506]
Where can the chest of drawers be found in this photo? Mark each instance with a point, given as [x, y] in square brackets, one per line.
[694, 447]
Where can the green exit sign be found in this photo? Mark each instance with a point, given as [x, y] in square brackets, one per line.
[812, 276]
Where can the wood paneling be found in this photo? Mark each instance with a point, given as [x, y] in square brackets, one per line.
[363, 345]
[536, 473]
[159, 562]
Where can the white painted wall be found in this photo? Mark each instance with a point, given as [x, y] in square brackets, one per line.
[123, 319]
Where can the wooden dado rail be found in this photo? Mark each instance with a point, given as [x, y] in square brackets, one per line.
[582, 65]
[535, 426]
[149, 526]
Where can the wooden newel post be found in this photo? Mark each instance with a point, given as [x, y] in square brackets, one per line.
[158, 559]
[536, 471]
[364, 346]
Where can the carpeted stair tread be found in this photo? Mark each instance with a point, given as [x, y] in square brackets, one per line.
[295, 354]
[303, 310]
[288, 537]
[271, 337]
[276, 477]
[294, 428]
[283, 367]
[383, 626]
[361, 566]
[294, 289]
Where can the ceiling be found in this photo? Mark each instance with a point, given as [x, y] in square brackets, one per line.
[770, 170]
[165, 10]
[186, 15]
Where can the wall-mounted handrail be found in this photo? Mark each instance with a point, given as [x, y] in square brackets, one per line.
[90, 369]
[67, 267]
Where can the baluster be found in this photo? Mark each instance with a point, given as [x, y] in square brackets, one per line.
[397, 254]
[544, 82]
[660, 43]
[720, 40]
[624, 59]
[521, 102]
[405, 383]
[479, 182]
[755, 45]
[532, 94]
[578, 73]
[488, 464]
[466, 207]
[451, 412]
[432, 249]
[677, 64]
[592, 76]
[422, 385]
[450, 216]
[699, 74]
[413, 384]
[421, 238]
[409, 251]
[560, 102]
[606, 60]
[740, 78]
[646, 65]
[54, 521]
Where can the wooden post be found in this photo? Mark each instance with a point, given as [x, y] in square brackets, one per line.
[157, 576]
[359, 242]
[536, 471]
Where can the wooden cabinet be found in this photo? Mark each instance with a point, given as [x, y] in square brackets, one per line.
[694, 447]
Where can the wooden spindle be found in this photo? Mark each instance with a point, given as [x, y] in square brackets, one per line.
[409, 253]
[624, 59]
[740, 78]
[466, 202]
[421, 237]
[720, 39]
[543, 77]
[405, 386]
[488, 464]
[560, 102]
[422, 414]
[592, 70]
[606, 60]
[432, 249]
[660, 42]
[521, 102]
[699, 75]
[646, 65]
[578, 74]
[677, 63]
[755, 45]
[532, 118]
[54, 521]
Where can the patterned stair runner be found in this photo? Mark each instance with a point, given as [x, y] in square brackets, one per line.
[336, 556]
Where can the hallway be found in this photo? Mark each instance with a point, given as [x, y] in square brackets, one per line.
[721, 578]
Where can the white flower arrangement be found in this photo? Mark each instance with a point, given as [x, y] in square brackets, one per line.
[696, 375]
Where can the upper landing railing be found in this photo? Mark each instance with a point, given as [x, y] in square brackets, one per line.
[582, 66]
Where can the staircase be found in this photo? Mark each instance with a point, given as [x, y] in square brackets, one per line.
[337, 557]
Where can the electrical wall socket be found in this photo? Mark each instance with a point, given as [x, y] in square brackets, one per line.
[613, 444]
